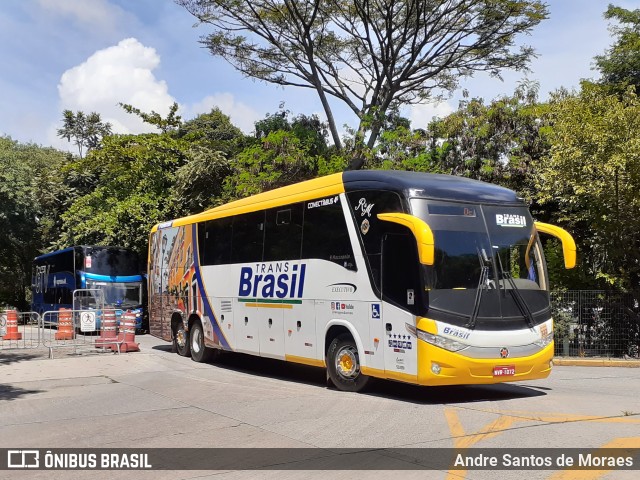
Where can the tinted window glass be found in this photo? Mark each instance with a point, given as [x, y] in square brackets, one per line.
[283, 235]
[325, 234]
[110, 261]
[366, 205]
[248, 236]
[215, 241]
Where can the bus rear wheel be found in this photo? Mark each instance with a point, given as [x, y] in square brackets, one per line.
[343, 365]
[199, 352]
[181, 340]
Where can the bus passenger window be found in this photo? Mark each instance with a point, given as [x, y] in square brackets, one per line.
[325, 235]
[283, 234]
[248, 237]
[214, 239]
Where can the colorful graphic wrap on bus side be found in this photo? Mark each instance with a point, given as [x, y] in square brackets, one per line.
[282, 280]
[203, 293]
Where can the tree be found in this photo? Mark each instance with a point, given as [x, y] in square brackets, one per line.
[372, 55]
[499, 141]
[170, 123]
[620, 65]
[311, 132]
[592, 174]
[32, 194]
[134, 190]
[279, 159]
[86, 130]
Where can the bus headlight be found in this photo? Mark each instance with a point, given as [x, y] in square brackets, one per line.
[436, 340]
[544, 341]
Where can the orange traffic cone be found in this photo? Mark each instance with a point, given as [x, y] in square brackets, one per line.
[127, 333]
[65, 325]
[12, 326]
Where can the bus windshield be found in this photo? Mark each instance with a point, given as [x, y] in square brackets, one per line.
[119, 294]
[489, 266]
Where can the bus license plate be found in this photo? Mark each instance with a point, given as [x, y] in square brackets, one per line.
[504, 371]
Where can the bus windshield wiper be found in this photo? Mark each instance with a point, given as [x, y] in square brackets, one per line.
[517, 297]
[482, 284]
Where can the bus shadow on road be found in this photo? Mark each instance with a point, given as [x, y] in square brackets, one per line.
[453, 394]
[314, 376]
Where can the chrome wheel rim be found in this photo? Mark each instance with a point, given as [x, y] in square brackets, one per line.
[347, 364]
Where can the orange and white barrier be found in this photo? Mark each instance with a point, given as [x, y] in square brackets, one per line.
[65, 325]
[12, 326]
[127, 333]
[108, 330]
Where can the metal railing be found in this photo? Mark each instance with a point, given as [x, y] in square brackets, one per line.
[595, 323]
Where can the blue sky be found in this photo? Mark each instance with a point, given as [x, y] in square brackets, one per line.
[91, 54]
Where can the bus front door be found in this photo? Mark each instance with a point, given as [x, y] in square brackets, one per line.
[400, 283]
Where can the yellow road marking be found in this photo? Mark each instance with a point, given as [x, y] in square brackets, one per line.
[463, 440]
[572, 474]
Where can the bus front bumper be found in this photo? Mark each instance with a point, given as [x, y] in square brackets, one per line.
[437, 366]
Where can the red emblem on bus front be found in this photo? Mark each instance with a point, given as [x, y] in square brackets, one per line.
[504, 352]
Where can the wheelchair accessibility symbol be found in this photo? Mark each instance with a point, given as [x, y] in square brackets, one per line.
[375, 310]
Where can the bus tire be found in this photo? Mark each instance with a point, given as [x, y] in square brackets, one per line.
[199, 352]
[343, 365]
[181, 340]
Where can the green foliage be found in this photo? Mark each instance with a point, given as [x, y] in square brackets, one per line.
[134, 176]
[199, 182]
[280, 159]
[86, 131]
[311, 132]
[168, 124]
[214, 131]
[32, 195]
[499, 142]
[592, 175]
[620, 65]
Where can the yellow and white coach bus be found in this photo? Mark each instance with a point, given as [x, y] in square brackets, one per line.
[422, 278]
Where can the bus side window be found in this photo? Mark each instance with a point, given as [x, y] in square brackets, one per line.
[283, 234]
[214, 238]
[365, 206]
[325, 235]
[248, 238]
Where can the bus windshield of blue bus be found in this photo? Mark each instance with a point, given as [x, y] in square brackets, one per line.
[119, 294]
[108, 261]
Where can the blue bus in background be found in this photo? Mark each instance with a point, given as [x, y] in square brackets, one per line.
[115, 271]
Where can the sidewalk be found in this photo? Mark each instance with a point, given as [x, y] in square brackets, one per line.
[596, 362]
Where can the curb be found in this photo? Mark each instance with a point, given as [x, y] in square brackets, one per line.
[595, 362]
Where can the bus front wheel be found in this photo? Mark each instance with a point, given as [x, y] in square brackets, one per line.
[343, 365]
[181, 340]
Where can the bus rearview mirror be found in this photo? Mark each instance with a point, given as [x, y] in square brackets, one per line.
[568, 244]
[421, 231]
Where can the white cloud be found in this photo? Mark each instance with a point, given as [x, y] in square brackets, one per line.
[242, 115]
[423, 113]
[93, 15]
[121, 73]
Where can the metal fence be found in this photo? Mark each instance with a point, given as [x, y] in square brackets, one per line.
[593, 323]
[587, 323]
[69, 331]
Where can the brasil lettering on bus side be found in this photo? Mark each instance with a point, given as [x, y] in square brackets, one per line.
[454, 332]
[279, 280]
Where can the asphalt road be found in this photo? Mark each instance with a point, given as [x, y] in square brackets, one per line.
[154, 398]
